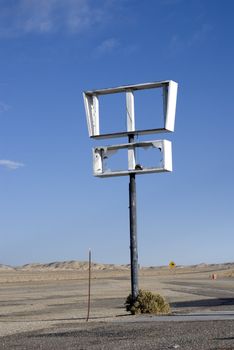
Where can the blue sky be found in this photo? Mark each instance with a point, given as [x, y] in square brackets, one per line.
[51, 207]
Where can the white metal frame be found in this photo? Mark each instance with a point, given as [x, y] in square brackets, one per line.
[91, 103]
[101, 153]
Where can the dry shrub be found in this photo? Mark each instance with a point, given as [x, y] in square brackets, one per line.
[147, 303]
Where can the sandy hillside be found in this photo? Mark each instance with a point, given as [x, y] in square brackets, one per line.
[226, 269]
[71, 265]
[6, 268]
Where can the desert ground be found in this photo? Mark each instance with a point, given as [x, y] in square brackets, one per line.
[51, 299]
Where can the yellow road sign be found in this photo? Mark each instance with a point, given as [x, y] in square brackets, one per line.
[172, 265]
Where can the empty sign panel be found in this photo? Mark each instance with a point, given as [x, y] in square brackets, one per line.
[169, 94]
[134, 165]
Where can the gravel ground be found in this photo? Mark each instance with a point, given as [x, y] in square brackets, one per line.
[193, 335]
[47, 310]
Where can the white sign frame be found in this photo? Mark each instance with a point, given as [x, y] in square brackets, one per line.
[103, 152]
[91, 102]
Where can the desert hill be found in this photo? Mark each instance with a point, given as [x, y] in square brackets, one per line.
[5, 267]
[72, 265]
[75, 265]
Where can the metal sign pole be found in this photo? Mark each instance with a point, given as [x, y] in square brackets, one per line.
[89, 290]
[133, 231]
[100, 154]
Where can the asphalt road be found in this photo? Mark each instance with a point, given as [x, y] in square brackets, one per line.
[189, 335]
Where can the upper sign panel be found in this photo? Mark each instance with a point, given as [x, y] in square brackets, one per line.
[168, 103]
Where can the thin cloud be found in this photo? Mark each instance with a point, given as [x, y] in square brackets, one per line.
[171, 2]
[49, 16]
[107, 46]
[4, 107]
[9, 164]
[179, 43]
[201, 34]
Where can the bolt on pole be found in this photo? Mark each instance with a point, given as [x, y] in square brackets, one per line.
[133, 232]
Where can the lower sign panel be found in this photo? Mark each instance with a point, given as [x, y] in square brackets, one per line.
[132, 158]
